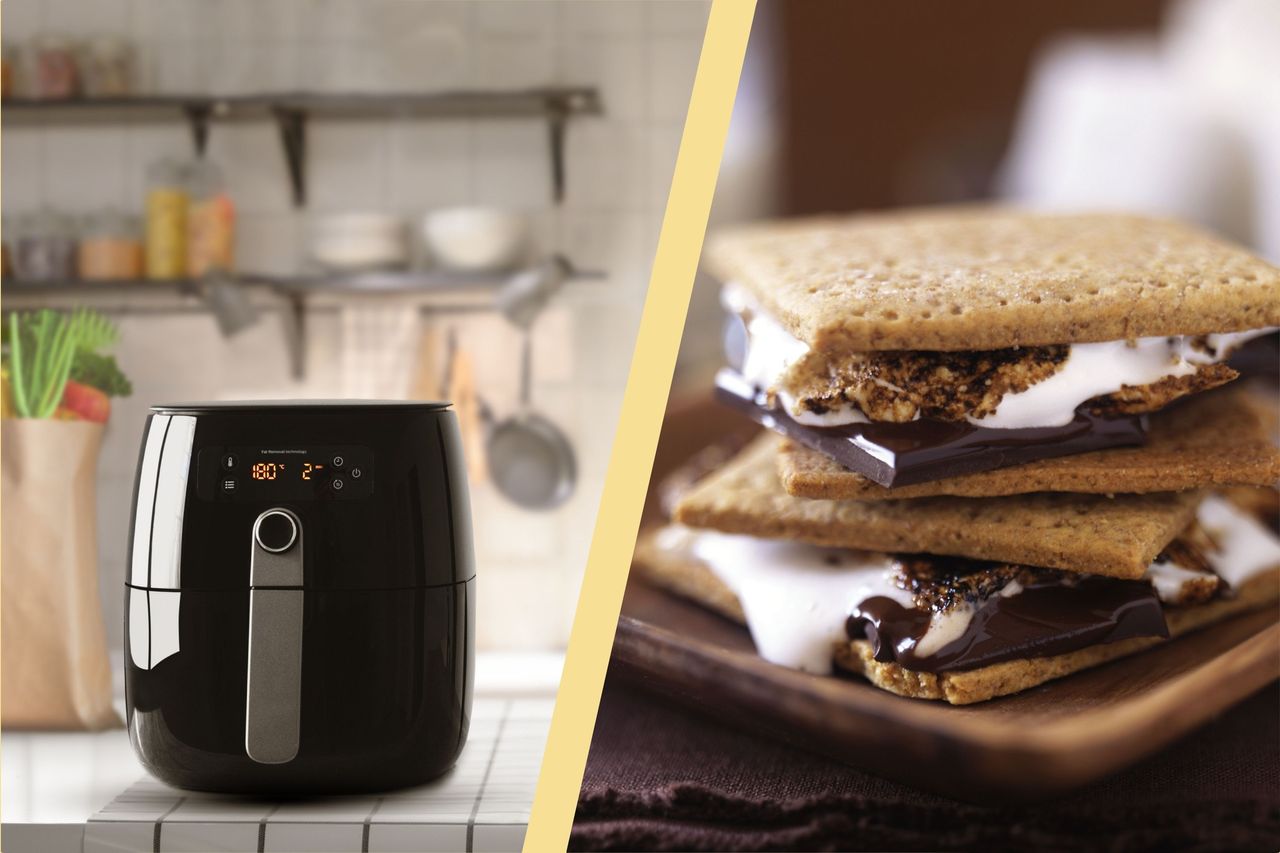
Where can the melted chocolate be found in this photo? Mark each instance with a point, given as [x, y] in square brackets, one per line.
[1259, 357]
[1053, 615]
[901, 454]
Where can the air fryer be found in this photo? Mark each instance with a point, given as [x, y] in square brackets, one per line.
[301, 596]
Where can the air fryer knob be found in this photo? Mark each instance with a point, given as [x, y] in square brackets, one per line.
[276, 531]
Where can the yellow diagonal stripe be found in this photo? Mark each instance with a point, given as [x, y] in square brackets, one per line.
[679, 246]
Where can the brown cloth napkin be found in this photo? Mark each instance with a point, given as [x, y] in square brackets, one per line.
[661, 778]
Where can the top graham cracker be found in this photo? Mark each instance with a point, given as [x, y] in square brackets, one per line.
[979, 278]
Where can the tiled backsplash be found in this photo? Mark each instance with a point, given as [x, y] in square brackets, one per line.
[640, 55]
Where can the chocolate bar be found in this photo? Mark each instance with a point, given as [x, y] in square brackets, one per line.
[900, 454]
[1054, 615]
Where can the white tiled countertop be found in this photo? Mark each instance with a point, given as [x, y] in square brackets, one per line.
[74, 791]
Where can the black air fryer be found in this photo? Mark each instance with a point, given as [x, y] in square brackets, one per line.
[300, 605]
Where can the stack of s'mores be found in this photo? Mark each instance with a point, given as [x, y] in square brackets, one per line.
[1000, 448]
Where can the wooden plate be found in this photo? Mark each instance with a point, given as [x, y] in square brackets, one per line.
[1039, 743]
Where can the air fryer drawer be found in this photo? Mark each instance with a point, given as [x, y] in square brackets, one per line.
[385, 687]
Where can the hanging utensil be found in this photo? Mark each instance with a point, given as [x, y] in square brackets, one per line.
[527, 293]
[531, 460]
[230, 304]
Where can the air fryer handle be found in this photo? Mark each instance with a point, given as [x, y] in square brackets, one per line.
[273, 706]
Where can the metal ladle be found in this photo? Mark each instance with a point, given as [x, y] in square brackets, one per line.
[530, 458]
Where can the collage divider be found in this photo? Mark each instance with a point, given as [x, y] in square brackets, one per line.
[648, 386]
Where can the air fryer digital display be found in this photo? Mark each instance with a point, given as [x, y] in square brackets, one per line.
[282, 472]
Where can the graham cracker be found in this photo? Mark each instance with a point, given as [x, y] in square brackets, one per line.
[1219, 439]
[981, 278]
[1114, 536]
[692, 579]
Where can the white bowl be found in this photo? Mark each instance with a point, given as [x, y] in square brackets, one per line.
[359, 241]
[476, 238]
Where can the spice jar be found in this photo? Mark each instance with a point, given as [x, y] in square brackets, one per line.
[166, 228]
[211, 221]
[54, 73]
[45, 248]
[110, 247]
[107, 68]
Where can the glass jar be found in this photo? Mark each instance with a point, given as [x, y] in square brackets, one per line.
[8, 71]
[6, 253]
[211, 221]
[166, 220]
[54, 72]
[45, 248]
[107, 68]
[110, 247]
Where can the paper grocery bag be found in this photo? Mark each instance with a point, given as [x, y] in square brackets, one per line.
[55, 669]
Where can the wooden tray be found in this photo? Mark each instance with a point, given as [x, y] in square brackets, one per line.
[1033, 745]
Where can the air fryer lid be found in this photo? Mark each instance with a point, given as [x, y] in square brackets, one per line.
[377, 490]
[301, 406]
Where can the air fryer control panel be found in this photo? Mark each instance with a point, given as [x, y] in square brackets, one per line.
[275, 472]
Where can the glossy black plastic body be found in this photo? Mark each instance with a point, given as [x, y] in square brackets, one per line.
[388, 602]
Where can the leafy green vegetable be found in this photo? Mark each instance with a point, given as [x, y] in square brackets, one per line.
[42, 348]
[101, 372]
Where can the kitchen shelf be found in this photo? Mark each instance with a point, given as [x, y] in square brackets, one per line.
[293, 111]
[425, 283]
[293, 296]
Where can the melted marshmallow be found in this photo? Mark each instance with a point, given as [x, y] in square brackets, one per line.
[944, 628]
[771, 349]
[1169, 579]
[1090, 370]
[796, 602]
[1245, 546]
[1222, 344]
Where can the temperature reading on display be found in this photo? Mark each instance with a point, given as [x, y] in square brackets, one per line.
[309, 468]
[267, 470]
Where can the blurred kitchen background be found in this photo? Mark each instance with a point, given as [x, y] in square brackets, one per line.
[1168, 107]
[334, 246]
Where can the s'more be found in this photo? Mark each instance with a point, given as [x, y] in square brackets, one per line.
[1002, 447]
[915, 347]
[959, 599]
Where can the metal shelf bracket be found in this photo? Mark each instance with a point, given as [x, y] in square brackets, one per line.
[292, 123]
[557, 120]
[198, 115]
[293, 321]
